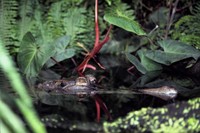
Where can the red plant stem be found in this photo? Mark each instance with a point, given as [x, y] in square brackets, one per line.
[106, 38]
[96, 24]
[102, 106]
[82, 66]
[97, 45]
[98, 110]
[100, 45]
[94, 51]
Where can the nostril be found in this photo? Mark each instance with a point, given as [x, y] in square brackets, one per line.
[62, 84]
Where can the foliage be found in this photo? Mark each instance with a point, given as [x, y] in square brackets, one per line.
[8, 13]
[32, 56]
[136, 62]
[25, 23]
[62, 28]
[174, 51]
[23, 102]
[151, 56]
[46, 23]
[18, 128]
[187, 28]
[122, 16]
[60, 52]
[64, 18]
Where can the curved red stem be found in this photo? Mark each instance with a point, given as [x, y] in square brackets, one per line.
[103, 106]
[98, 110]
[97, 45]
[96, 25]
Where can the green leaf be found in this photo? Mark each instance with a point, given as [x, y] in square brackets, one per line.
[164, 58]
[179, 48]
[146, 78]
[173, 51]
[124, 22]
[61, 53]
[136, 63]
[61, 43]
[148, 64]
[66, 54]
[26, 22]
[32, 56]
[74, 21]
[15, 123]
[159, 16]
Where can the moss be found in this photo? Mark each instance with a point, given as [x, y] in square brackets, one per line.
[176, 117]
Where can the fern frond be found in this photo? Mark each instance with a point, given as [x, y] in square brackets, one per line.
[26, 15]
[196, 9]
[8, 12]
[54, 20]
[122, 10]
[187, 29]
[73, 21]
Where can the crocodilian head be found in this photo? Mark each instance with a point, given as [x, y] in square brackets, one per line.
[88, 80]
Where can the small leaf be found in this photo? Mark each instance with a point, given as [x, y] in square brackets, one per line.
[136, 63]
[149, 64]
[146, 78]
[124, 22]
[61, 43]
[32, 56]
[61, 53]
[159, 16]
[68, 53]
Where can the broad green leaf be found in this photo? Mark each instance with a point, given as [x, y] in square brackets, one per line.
[67, 53]
[61, 43]
[148, 64]
[163, 57]
[61, 53]
[146, 78]
[32, 56]
[124, 22]
[160, 16]
[112, 47]
[179, 48]
[173, 51]
[136, 63]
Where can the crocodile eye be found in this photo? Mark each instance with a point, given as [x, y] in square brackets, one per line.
[62, 84]
[93, 81]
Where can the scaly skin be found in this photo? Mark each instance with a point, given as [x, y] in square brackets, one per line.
[72, 86]
[181, 117]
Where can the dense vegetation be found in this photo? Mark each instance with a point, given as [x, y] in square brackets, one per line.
[160, 39]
